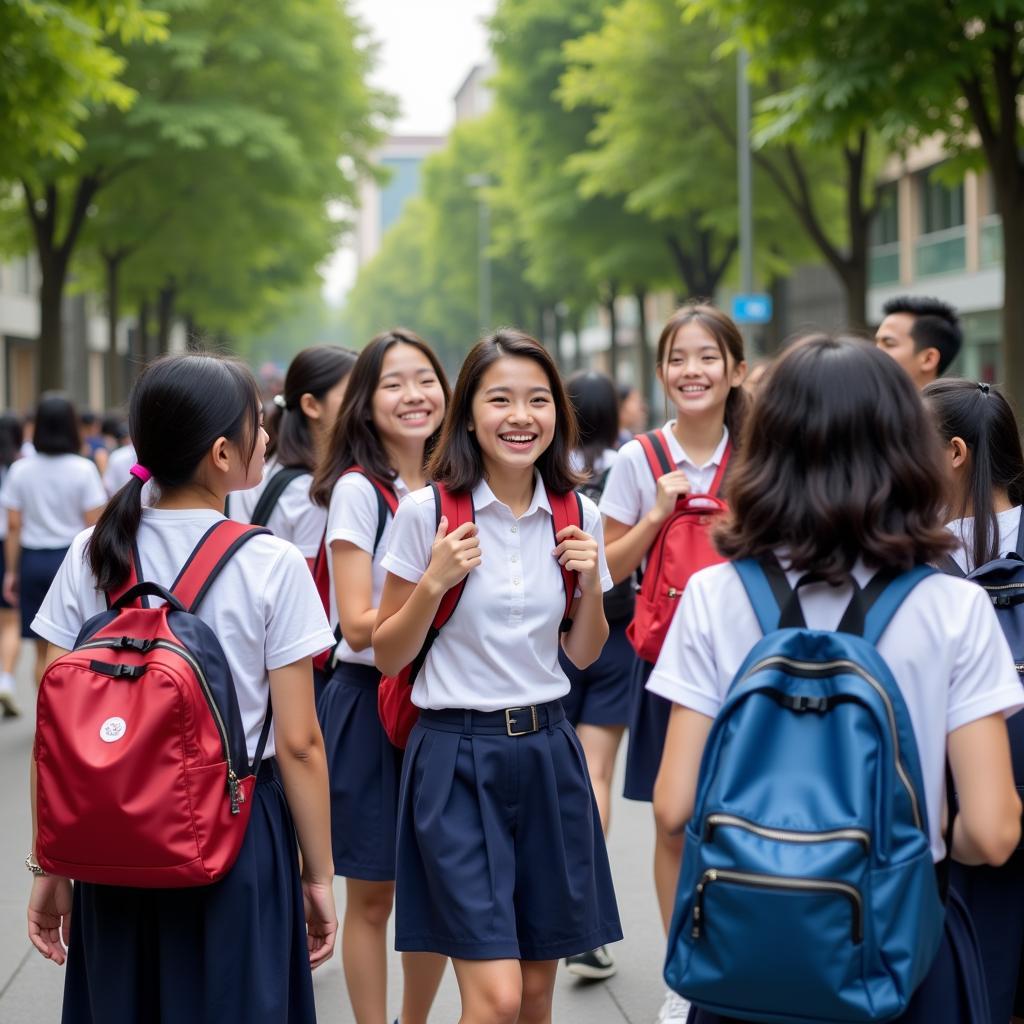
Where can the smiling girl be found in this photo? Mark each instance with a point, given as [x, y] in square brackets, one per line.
[396, 399]
[501, 861]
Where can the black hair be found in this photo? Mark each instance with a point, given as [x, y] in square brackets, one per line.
[593, 396]
[983, 419]
[936, 326]
[10, 439]
[56, 425]
[179, 406]
[87, 417]
[314, 371]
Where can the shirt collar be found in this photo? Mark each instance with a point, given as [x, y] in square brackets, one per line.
[484, 496]
[678, 453]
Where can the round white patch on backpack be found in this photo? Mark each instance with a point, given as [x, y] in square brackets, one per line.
[113, 729]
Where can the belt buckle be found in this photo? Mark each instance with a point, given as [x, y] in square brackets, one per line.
[510, 721]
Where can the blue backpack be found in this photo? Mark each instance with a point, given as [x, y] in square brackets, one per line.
[807, 890]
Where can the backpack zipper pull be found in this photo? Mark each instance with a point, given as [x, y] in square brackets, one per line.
[235, 792]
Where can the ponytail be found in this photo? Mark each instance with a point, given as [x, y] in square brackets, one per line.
[110, 547]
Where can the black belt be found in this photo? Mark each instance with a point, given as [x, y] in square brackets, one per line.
[520, 721]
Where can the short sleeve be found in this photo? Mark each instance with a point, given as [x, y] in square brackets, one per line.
[72, 598]
[354, 515]
[10, 490]
[411, 539]
[296, 626]
[984, 679]
[620, 499]
[92, 493]
[306, 520]
[686, 672]
[592, 525]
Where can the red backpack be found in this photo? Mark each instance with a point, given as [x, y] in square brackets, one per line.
[143, 777]
[683, 546]
[387, 504]
[397, 712]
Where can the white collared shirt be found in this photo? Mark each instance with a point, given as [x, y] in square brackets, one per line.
[353, 517]
[1007, 523]
[500, 648]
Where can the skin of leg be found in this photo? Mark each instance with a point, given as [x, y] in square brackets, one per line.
[538, 991]
[600, 746]
[364, 953]
[422, 978]
[40, 660]
[10, 639]
[668, 855]
[491, 990]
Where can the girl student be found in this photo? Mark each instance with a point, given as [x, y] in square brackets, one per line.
[10, 621]
[501, 860]
[839, 476]
[394, 406]
[701, 368]
[239, 950]
[985, 490]
[49, 499]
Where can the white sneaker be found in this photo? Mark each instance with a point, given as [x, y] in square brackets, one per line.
[675, 1009]
[8, 705]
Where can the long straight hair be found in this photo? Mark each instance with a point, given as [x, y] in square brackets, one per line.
[596, 402]
[982, 418]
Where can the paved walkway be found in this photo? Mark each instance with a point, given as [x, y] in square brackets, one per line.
[31, 988]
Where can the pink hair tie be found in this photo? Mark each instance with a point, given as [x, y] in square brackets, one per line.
[140, 471]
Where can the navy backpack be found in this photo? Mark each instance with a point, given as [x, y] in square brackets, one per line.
[807, 890]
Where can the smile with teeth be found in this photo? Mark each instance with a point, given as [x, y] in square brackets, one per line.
[414, 415]
[522, 439]
[694, 388]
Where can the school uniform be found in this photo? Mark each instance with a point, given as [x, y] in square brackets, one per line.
[630, 494]
[53, 493]
[953, 666]
[234, 951]
[995, 896]
[364, 767]
[500, 850]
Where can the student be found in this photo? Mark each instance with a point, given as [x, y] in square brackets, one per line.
[49, 498]
[10, 622]
[394, 406]
[632, 413]
[985, 490]
[501, 861]
[839, 476]
[923, 335]
[599, 700]
[701, 367]
[239, 950]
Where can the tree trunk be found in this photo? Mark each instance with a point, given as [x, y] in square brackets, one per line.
[579, 356]
[144, 339]
[645, 361]
[558, 321]
[115, 375]
[53, 270]
[165, 315]
[1012, 211]
[613, 330]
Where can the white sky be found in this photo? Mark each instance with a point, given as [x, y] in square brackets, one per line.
[427, 48]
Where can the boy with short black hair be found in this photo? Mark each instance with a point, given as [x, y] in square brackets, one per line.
[922, 334]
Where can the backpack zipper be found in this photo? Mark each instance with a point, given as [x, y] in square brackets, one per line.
[777, 882]
[235, 791]
[811, 670]
[785, 835]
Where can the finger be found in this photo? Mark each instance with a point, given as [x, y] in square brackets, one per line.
[464, 531]
[569, 531]
[65, 928]
[442, 529]
[321, 948]
[582, 565]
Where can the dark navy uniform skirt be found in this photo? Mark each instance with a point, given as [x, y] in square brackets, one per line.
[364, 770]
[648, 724]
[36, 573]
[500, 850]
[602, 694]
[229, 953]
[953, 992]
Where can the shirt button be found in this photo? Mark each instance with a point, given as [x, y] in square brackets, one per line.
[516, 581]
[515, 558]
[515, 529]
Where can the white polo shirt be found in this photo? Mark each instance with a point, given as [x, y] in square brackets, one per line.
[1007, 523]
[500, 648]
[353, 517]
[263, 607]
[944, 647]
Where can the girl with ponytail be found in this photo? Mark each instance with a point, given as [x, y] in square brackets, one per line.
[239, 950]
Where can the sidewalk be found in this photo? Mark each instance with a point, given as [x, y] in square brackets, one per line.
[31, 988]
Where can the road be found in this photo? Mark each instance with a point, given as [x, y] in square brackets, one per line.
[31, 988]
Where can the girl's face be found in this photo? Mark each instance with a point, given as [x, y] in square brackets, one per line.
[696, 377]
[513, 414]
[408, 404]
[323, 412]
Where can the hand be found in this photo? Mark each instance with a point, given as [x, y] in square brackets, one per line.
[671, 487]
[321, 921]
[577, 551]
[49, 916]
[453, 555]
[10, 589]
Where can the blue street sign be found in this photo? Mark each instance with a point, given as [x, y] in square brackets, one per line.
[752, 309]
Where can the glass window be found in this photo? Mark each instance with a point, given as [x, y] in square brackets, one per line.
[885, 226]
[942, 206]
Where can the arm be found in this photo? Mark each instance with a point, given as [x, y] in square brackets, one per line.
[676, 785]
[987, 827]
[92, 516]
[12, 555]
[578, 552]
[303, 765]
[354, 599]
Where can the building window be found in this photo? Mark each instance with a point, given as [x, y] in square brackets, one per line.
[884, 259]
[991, 240]
[942, 245]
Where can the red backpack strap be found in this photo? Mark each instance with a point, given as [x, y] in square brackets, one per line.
[566, 510]
[656, 449]
[209, 556]
[716, 484]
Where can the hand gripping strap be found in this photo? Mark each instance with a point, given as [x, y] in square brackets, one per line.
[566, 510]
[210, 555]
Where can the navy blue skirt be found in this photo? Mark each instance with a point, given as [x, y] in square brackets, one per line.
[953, 992]
[233, 952]
[36, 573]
[3, 572]
[500, 850]
[602, 694]
[364, 770]
[648, 724]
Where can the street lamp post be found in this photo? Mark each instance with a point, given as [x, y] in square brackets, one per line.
[480, 182]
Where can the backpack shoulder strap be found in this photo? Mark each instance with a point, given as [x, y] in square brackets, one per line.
[387, 501]
[767, 588]
[951, 567]
[1020, 535]
[656, 449]
[133, 578]
[888, 602]
[210, 555]
[566, 510]
[716, 484]
[271, 495]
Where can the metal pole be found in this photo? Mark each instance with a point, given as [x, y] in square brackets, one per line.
[744, 171]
